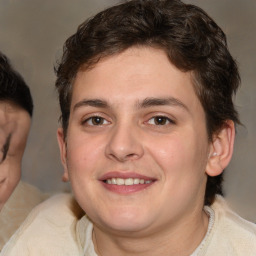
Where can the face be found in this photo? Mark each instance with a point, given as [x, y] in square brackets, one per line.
[136, 149]
[14, 129]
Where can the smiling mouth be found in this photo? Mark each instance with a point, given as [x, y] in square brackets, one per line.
[127, 182]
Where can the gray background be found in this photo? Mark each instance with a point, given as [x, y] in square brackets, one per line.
[32, 33]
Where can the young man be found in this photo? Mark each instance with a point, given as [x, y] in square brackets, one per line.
[16, 107]
[148, 126]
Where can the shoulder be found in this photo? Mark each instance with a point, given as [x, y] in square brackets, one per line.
[24, 198]
[232, 221]
[231, 234]
[50, 229]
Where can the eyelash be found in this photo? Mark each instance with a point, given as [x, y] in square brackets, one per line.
[100, 121]
[89, 121]
[166, 120]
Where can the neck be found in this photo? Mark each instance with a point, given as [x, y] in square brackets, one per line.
[179, 239]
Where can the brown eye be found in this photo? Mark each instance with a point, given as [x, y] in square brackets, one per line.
[160, 120]
[95, 121]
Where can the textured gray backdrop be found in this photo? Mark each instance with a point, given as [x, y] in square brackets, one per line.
[32, 33]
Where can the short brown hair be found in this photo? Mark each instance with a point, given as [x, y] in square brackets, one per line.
[191, 40]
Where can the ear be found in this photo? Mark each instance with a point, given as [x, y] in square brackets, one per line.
[63, 153]
[221, 149]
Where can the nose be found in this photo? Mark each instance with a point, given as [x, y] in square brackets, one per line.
[124, 144]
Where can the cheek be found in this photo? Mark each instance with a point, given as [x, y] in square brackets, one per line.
[180, 154]
[8, 186]
[170, 151]
[83, 154]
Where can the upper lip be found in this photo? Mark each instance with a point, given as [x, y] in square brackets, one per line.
[125, 175]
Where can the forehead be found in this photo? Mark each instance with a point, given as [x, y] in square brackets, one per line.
[134, 74]
[10, 112]
[10, 107]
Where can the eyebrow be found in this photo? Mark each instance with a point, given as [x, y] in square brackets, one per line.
[6, 147]
[146, 103]
[98, 103]
[170, 101]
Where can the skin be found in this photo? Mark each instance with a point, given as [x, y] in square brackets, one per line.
[14, 129]
[136, 114]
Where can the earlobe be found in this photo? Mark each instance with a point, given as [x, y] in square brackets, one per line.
[221, 149]
[65, 177]
[63, 153]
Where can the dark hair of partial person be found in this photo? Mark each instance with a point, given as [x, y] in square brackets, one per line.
[189, 37]
[13, 87]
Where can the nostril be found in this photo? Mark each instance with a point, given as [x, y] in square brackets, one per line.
[123, 145]
[130, 155]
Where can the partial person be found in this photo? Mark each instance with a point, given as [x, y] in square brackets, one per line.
[148, 127]
[16, 108]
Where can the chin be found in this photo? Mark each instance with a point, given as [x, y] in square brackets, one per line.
[124, 226]
[125, 221]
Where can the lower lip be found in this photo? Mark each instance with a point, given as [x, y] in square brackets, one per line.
[124, 190]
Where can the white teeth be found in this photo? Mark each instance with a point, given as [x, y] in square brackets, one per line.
[136, 181]
[119, 181]
[127, 182]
